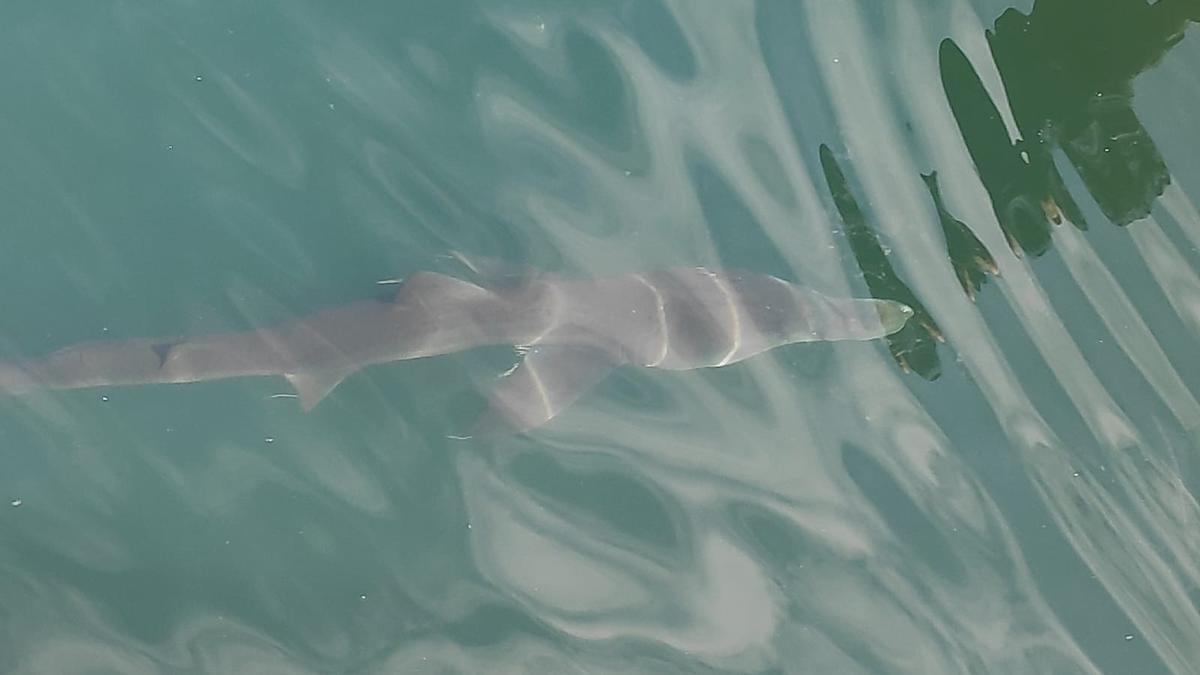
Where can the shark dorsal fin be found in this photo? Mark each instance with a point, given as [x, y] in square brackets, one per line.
[313, 386]
[433, 287]
[489, 270]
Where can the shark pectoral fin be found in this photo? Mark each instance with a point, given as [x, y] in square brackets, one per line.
[313, 386]
[544, 383]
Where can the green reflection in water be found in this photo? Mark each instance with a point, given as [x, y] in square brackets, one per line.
[1067, 68]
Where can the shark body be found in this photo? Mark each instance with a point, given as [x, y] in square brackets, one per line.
[572, 332]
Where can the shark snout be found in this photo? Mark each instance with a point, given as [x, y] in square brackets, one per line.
[893, 315]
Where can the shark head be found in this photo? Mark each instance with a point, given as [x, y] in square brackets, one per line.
[820, 317]
[893, 315]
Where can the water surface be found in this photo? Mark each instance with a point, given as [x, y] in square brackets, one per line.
[1006, 486]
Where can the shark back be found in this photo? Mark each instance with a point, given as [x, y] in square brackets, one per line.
[572, 331]
[694, 317]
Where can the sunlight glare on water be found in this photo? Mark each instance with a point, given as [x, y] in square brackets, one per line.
[1005, 484]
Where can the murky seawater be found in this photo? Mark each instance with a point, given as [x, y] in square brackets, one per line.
[1007, 485]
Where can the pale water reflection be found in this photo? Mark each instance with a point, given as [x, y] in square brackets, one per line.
[1022, 501]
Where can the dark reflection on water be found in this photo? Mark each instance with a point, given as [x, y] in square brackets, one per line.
[915, 346]
[610, 495]
[912, 528]
[1068, 68]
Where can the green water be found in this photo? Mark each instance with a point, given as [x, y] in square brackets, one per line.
[1008, 485]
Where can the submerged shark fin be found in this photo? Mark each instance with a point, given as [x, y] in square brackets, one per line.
[545, 382]
[313, 386]
[433, 287]
[493, 272]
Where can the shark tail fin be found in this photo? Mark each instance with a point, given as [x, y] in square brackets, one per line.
[313, 386]
[16, 380]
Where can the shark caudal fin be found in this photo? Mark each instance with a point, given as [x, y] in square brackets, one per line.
[313, 386]
[16, 380]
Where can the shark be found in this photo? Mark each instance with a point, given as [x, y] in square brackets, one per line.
[570, 333]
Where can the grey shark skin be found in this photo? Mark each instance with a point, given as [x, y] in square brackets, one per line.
[572, 333]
